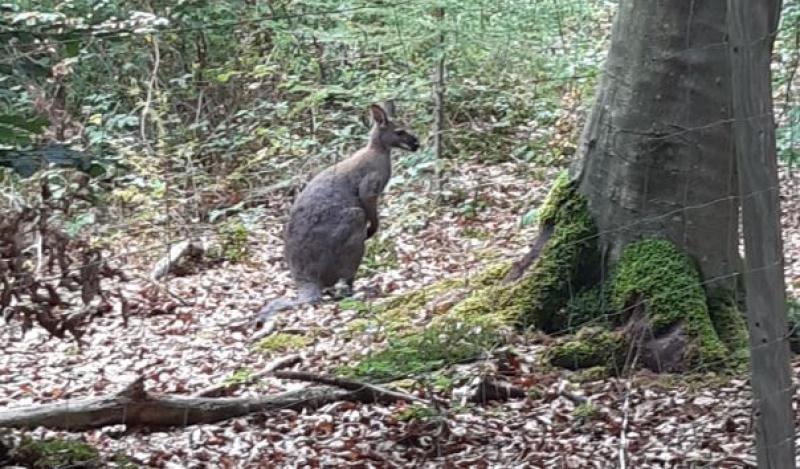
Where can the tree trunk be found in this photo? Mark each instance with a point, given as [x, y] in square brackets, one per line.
[657, 156]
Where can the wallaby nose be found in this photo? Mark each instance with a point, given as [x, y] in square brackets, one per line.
[414, 146]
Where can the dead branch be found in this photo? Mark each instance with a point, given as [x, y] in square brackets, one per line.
[227, 388]
[370, 392]
[58, 291]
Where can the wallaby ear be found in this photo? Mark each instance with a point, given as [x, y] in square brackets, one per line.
[379, 116]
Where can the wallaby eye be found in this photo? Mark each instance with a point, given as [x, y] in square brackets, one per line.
[402, 133]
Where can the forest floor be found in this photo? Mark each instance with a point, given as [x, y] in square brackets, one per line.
[645, 421]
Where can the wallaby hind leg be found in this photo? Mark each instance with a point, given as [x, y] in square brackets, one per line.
[351, 252]
[328, 247]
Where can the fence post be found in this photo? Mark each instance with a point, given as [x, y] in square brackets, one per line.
[751, 26]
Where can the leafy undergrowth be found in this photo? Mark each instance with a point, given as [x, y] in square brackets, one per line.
[186, 348]
[53, 453]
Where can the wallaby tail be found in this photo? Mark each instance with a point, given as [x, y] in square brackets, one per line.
[308, 294]
[275, 306]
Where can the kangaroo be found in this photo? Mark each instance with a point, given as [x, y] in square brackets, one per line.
[336, 213]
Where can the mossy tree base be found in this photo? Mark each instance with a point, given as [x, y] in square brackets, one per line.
[652, 311]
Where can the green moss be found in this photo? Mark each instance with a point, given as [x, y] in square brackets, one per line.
[282, 342]
[445, 341]
[591, 347]
[351, 304]
[729, 322]
[561, 190]
[490, 276]
[443, 383]
[657, 274]
[56, 453]
[357, 327]
[473, 316]
[454, 334]
[394, 315]
[586, 411]
[594, 373]
[546, 287]
[240, 376]
[490, 304]
[537, 297]
[408, 303]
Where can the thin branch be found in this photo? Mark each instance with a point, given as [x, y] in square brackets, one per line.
[225, 388]
[150, 86]
[368, 392]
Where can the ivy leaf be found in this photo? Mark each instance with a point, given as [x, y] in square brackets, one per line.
[79, 222]
[530, 217]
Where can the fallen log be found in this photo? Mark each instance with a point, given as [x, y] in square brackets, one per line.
[134, 407]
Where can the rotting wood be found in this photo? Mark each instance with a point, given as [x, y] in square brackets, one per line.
[489, 388]
[179, 251]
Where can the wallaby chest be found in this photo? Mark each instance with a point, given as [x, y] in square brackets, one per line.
[340, 184]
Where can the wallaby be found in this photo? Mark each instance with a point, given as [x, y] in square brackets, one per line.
[336, 213]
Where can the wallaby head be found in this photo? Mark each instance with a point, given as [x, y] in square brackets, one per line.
[389, 134]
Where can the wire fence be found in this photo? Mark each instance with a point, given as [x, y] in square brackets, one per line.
[171, 129]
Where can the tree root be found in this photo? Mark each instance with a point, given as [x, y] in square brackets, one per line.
[522, 265]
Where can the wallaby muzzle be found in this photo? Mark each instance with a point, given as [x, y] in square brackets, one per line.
[411, 143]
